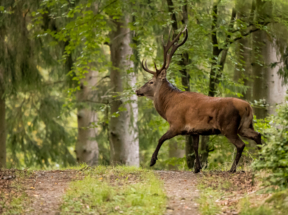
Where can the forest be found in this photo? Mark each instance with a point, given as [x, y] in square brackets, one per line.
[69, 71]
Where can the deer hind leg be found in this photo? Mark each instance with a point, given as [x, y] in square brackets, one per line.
[252, 135]
[197, 166]
[240, 145]
[168, 135]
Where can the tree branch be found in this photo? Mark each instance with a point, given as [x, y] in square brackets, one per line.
[213, 26]
[246, 34]
[173, 15]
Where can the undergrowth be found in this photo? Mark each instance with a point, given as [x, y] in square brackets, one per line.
[13, 198]
[239, 193]
[119, 190]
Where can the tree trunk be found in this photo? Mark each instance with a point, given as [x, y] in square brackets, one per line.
[189, 150]
[267, 87]
[243, 69]
[87, 147]
[217, 67]
[175, 151]
[2, 131]
[124, 142]
[2, 103]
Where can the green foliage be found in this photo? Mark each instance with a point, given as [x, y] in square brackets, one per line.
[274, 154]
[115, 190]
[39, 132]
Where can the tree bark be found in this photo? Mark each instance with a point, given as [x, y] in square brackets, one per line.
[2, 130]
[2, 101]
[87, 147]
[124, 140]
[175, 151]
[243, 70]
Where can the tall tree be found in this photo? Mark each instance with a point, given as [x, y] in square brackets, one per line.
[175, 150]
[86, 146]
[124, 142]
[2, 98]
[268, 87]
[2, 109]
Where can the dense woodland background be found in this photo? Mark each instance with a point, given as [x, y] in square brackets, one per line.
[69, 70]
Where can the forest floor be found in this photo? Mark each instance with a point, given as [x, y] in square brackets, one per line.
[210, 192]
[123, 190]
[34, 192]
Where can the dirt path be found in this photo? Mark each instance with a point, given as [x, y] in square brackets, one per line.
[181, 191]
[45, 190]
[48, 189]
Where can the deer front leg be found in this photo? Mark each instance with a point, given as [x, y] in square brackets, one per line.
[240, 145]
[168, 135]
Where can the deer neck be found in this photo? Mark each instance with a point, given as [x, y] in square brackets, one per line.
[162, 97]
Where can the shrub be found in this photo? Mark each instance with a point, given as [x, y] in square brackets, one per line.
[274, 153]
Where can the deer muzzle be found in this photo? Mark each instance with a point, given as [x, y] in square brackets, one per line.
[138, 93]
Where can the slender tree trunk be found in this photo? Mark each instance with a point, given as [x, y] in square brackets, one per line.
[260, 88]
[87, 146]
[124, 140]
[2, 131]
[175, 150]
[217, 67]
[243, 69]
[2, 101]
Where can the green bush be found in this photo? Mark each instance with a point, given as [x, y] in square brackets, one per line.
[274, 153]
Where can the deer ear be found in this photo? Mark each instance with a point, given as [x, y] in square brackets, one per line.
[162, 75]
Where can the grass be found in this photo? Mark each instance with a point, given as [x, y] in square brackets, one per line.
[207, 201]
[239, 193]
[246, 208]
[119, 190]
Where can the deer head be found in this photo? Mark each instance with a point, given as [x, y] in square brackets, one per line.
[148, 89]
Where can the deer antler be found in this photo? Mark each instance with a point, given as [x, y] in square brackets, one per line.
[146, 68]
[167, 57]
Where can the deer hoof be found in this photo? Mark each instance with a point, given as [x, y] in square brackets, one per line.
[232, 171]
[153, 161]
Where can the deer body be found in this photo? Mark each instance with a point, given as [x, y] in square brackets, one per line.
[190, 113]
[195, 113]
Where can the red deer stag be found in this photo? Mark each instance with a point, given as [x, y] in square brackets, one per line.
[190, 113]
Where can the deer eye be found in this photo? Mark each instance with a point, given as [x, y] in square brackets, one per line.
[151, 82]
